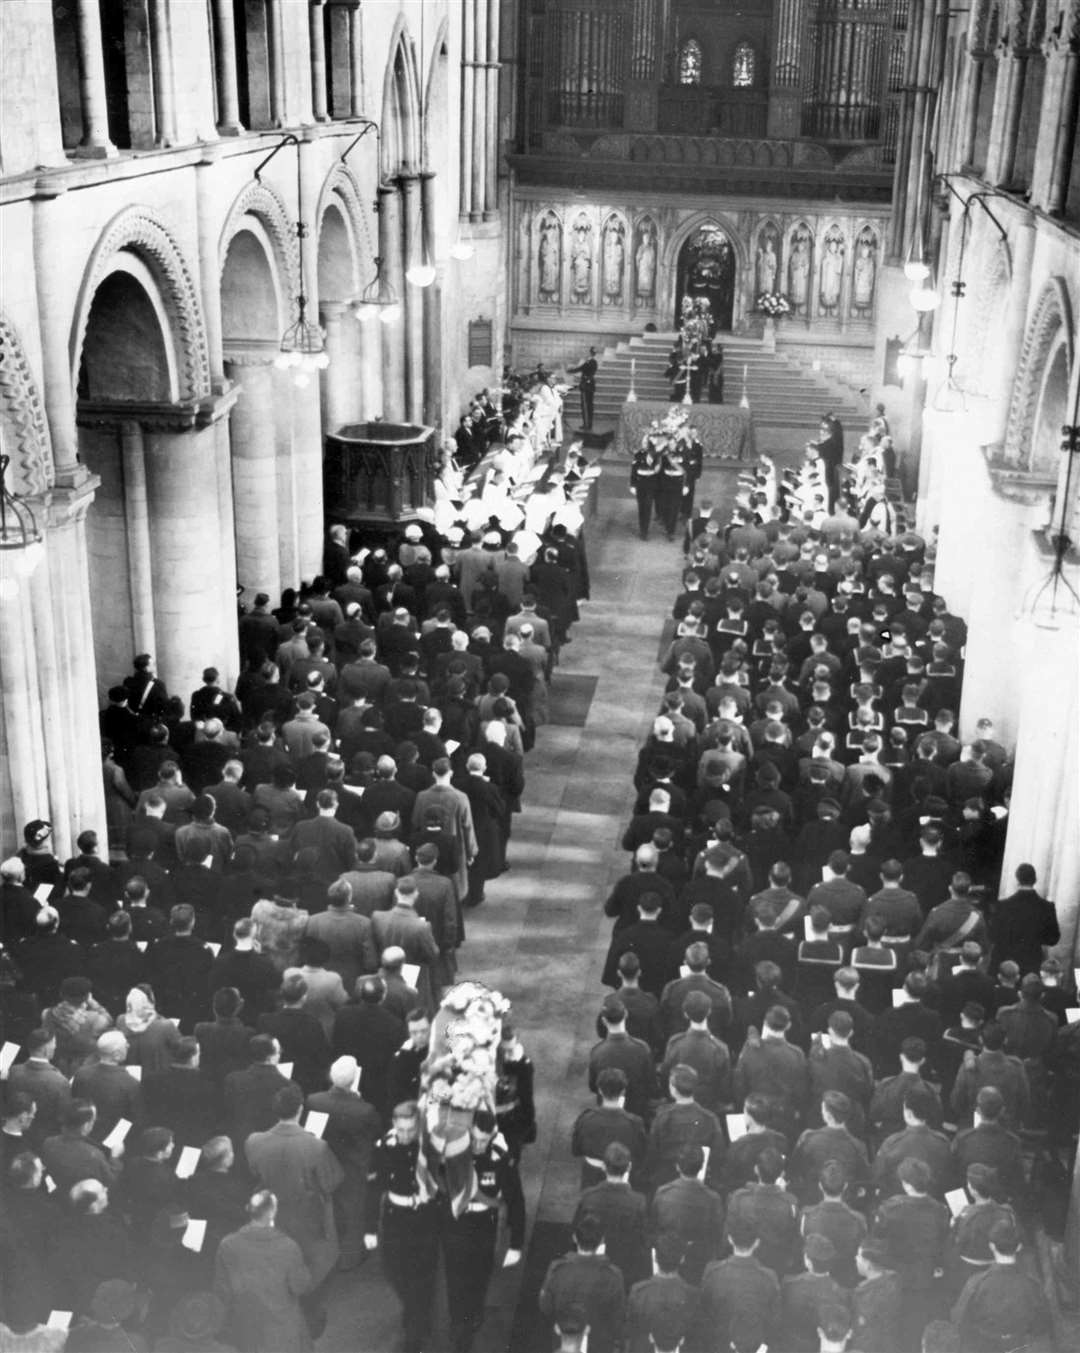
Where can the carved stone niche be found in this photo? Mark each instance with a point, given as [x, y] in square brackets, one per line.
[378, 474]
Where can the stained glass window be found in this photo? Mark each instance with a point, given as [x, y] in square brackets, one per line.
[690, 63]
[744, 67]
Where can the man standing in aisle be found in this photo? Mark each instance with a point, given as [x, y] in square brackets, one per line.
[587, 371]
[644, 476]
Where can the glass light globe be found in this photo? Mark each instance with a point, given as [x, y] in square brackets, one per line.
[924, 299]
[421, 275]
[462, 250]
[322, 360]
[389, 313]
[300, 379]
[915, 270]
[281, 361]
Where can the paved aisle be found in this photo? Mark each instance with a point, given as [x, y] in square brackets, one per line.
[540, 936]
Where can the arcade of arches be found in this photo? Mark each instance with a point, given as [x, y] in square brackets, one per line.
[905, 173]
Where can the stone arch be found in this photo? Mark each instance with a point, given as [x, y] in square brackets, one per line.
[1050, 325]
[254, 304]
[262, 202]
[22, 417]
[400, 139]
[723, 220]
[137, 231]
[436, 95]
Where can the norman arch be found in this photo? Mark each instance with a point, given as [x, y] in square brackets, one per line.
[1050, 328]
[22, 417]
[136, 231]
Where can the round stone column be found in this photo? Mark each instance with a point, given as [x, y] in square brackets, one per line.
[252, 438]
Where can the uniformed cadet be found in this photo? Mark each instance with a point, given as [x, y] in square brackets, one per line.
[770, 1212]
[680, 1124]
[1002, 1308]
[402, 1223]
[842, 1226]
[887, 1105]
[622, 1214]
[740, 1287]
[877, 1300]
[916, 1138]
[600, 1125]
[806, 1296]
[468, 1241]
[690, 1210]
[915, 1228]
[586, 1281]
[666, 1296]
[404, 1074]
[669, 489]
[969, 1243]
[515, 1107]
[644, 474]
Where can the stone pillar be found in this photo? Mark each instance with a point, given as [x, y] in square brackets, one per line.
[915, 205]
[1008, 104]
[316, 18]
[969, 129]
[339, 382]
[194, 607]
[479, 118]
[468, 107]
[276, 60]
[1058, 127]
[356, 61]
[162, 68]
[252, 438]
[491, 130]
[137, 534]
[414, 299]
[285, 480]
[393, 333]
[432, 300]
[54, 320]
[307, 461]
[95, 143]
[27, 789]
[225, 51]
[370, 365]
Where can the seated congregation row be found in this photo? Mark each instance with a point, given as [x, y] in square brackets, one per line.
[283, 907]
[832, 1058]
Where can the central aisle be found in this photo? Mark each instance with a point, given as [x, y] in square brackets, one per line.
[540, 936]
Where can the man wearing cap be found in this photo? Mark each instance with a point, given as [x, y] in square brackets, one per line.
[103, 1329]
[147, 697]
[40, 863]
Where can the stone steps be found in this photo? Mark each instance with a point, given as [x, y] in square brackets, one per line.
[782, 393]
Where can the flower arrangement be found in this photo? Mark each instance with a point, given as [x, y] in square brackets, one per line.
[696, 324]
[459, 1078]
[774, 304]
[670, 432]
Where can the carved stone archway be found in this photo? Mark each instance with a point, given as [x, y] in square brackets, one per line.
[1051, 316]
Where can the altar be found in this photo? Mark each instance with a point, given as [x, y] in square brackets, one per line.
[726, 430]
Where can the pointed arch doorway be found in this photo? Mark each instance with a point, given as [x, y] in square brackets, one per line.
[706, 267]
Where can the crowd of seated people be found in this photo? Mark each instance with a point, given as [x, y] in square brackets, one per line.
[266, 932]
[833, 1066]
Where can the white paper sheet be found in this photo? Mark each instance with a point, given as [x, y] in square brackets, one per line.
[736, 1126]
[117, 1135]
[8, 1053]
[316, 1122]
[194, 1235]
[58, 1320]
[957, 1200]
[187, 1162]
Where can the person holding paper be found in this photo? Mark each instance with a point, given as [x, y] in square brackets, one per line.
[687, 1208]
[28, 1225]
[18, 905]
[182, 1097]
[105, 1082]
[72, 1156]
[93, 1247]
[299, 1035]
[303, 1173]
[261, 1275]
[75, 1022]
[351, 1132]
[49, 1089]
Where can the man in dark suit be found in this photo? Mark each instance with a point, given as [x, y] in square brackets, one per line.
[353, 1129]
[300, 1036]
[249, 1094]
[621, 1213]
[371, 1033]
[333, 840]
[107, 1084]
[586, 370]
[182, 1098]
[1025, 924]
[178, 968]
